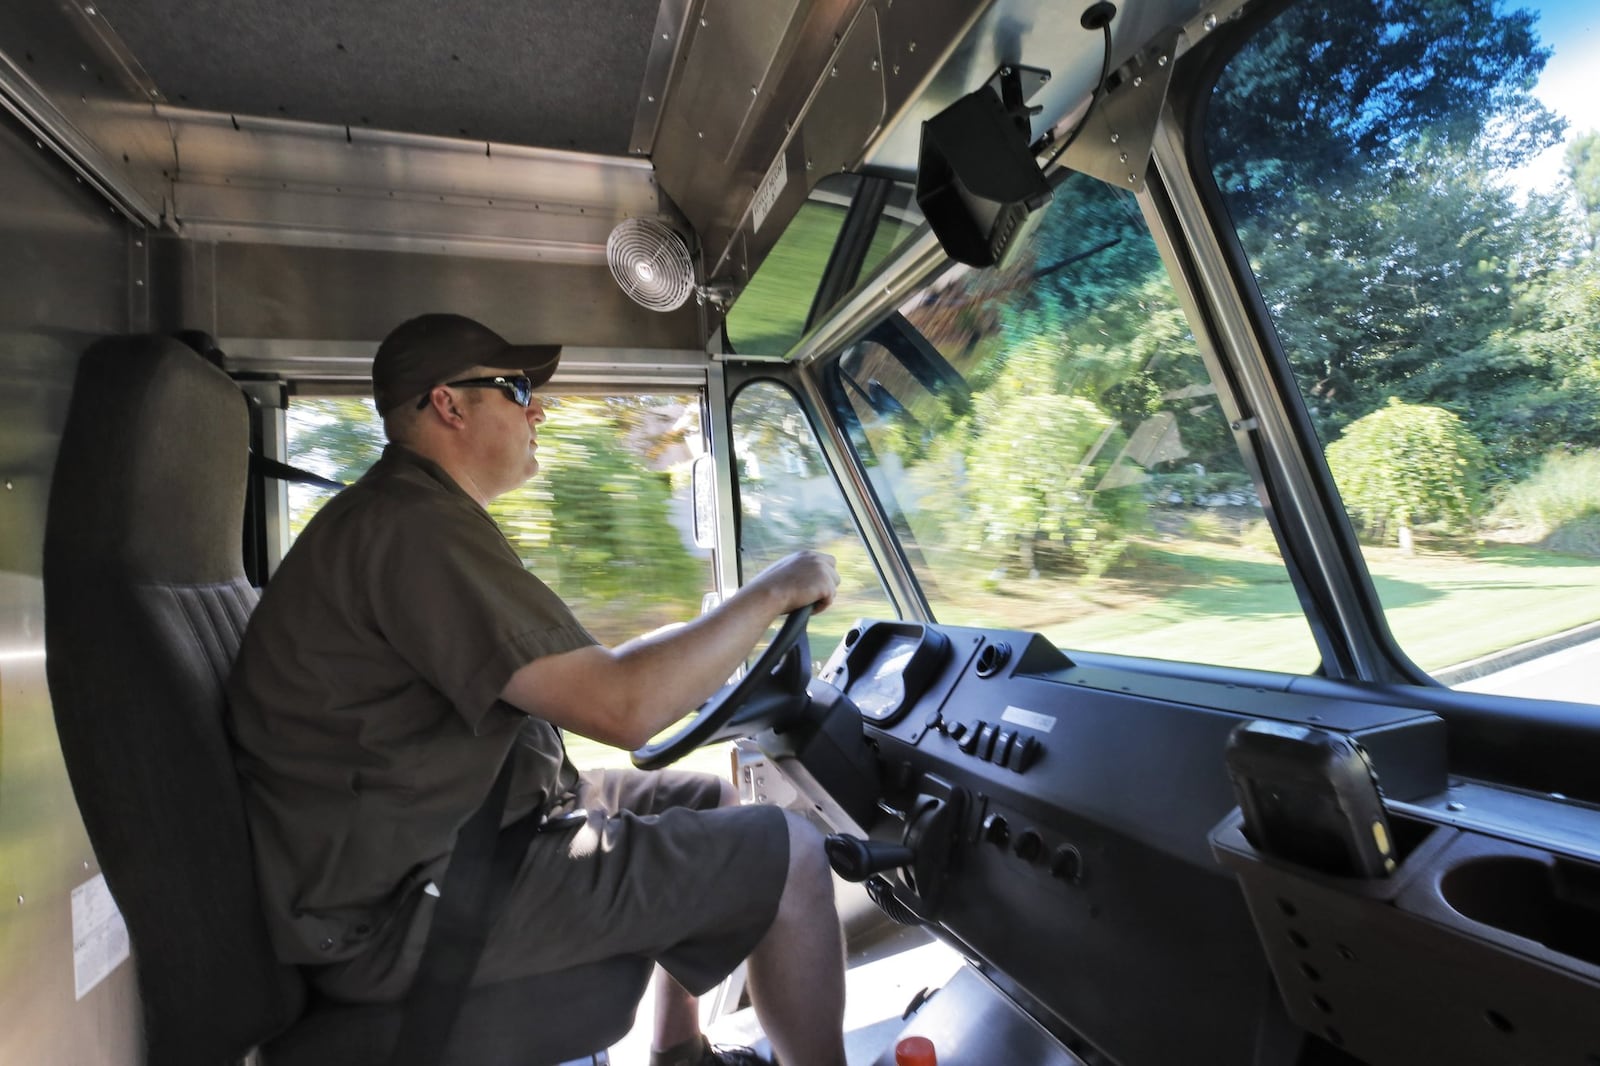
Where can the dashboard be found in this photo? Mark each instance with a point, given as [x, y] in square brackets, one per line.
[1069, 821]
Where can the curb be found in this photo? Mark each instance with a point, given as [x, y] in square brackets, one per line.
[1473, 669]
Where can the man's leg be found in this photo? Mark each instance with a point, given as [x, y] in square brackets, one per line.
[677, 1012]
[797, 971]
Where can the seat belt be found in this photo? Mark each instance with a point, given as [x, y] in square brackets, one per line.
[476, 883]
[261, 466]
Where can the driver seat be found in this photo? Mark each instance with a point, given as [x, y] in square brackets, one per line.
[145, 605]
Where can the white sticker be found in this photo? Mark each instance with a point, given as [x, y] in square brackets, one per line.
[99, 936]
[1033, 720]
[767, 195]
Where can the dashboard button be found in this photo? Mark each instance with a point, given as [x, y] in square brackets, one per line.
[1029, 845]
[1066, 863]
[995, 830]
[1024, 750]
[1002, 748]
[969, 743]
[986, 738]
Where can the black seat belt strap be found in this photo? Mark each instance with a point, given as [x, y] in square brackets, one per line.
[265, 467]
[476, 883]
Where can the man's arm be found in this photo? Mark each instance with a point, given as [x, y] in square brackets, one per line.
[623, 696]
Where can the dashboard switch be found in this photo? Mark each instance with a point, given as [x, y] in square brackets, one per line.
[969, 743]
[995, 830]
[1029, 845]
[1002, 748]
[986, 738]
[1024, 750]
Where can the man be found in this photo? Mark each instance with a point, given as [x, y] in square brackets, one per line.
[401, 653]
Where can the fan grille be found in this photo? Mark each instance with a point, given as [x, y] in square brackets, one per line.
[651, 263]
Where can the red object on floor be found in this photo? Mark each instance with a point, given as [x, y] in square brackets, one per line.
[915, 1051]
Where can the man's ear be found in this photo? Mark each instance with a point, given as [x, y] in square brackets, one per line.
[443, 403]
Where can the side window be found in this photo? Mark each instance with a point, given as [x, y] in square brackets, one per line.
[788, 500]
[1049, 447]
[607, 522]
[1421, 206]
[769, 316]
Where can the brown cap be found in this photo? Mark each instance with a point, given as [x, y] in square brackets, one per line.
[429, 350]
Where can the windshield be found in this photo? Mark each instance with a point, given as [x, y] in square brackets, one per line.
[1048, 443]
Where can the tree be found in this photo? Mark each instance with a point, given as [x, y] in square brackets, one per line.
[1363, 152]
[1405, 464]
[1583, 170]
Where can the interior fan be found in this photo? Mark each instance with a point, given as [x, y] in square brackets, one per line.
[651, 263]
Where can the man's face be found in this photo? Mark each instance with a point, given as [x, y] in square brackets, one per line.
[502, 434]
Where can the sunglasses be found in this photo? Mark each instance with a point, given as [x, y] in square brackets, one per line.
[518, 388]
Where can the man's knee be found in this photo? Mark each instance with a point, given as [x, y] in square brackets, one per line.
[809, 873]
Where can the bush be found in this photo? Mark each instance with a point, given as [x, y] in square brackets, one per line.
[1406, 464]
[1561, 497]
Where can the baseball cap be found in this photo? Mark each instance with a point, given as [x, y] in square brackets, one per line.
[431, 349]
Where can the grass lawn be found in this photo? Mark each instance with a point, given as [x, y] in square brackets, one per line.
[1216, 602]
[1212, 601]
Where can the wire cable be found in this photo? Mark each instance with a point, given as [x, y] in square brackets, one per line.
[1098, 16]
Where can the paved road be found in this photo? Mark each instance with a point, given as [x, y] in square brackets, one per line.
[1572, 674]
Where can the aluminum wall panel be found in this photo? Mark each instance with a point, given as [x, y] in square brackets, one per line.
[64, 280]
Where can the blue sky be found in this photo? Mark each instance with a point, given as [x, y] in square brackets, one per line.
[1569, 83]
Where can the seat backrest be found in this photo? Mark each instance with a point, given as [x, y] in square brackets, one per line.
[145, 605]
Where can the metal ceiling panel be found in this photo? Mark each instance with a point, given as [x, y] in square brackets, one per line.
[543, 73]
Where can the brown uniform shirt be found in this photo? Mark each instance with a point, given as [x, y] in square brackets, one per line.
[365, 702]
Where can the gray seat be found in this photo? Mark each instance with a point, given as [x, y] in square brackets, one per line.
[145, 604]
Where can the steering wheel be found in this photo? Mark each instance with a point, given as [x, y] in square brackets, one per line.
[746, 706]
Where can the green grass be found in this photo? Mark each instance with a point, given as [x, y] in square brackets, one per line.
[1224, 604]
[1231, 605]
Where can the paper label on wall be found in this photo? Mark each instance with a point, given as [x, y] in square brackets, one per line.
[99, 936]
[767, 195]
[1032, 719]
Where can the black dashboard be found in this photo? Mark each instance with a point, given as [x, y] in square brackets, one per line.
[1069, 821]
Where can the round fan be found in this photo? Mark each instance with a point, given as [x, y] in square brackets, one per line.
[651, 263]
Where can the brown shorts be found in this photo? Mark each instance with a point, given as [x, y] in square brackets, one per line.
[657, 869]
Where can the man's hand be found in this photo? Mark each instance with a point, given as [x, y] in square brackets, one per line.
[806, 577]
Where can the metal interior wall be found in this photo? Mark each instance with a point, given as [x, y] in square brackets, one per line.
[64, 281]
[286, 293]
[78, 94]
[270, 180]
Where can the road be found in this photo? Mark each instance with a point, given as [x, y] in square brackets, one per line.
[1572, 674]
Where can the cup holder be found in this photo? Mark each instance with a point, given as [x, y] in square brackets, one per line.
[1553, 902]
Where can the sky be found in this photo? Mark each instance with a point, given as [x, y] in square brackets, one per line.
[1569, 85]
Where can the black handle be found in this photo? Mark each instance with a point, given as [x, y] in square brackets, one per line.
[855, 859]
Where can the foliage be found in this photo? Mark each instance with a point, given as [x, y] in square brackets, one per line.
[1563, 491]
[1407, 464]
[1362, 149]
[1583, 170]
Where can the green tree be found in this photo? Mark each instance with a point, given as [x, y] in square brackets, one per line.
[1583, 170]
[1406, 464]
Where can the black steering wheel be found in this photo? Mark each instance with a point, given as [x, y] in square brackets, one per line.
[748, 705]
